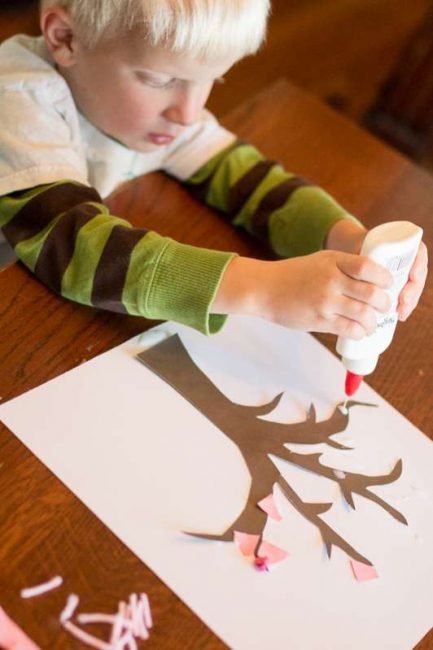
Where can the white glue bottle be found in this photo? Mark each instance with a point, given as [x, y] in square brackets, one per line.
[394, 245]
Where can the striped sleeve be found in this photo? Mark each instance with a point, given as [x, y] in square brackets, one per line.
[284, 211]
[67, 237]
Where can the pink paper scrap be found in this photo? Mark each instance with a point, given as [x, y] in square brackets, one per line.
[268, 505]
[38, 590]
[272, 553]
[246, 543]
[363, 571]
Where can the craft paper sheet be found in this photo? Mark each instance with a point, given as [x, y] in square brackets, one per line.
[150, 466]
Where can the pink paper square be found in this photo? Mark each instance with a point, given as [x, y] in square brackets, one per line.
[363, 571]
[272, 553]
[246, 543]
[268, 505]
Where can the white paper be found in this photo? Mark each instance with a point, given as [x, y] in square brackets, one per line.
[149, 466]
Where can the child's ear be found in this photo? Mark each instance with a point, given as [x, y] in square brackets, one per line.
[57, 28]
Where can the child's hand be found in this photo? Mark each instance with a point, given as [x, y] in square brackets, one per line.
[411, 293]
[348, 237]
[328, 291]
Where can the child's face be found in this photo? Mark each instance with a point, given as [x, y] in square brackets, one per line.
[141, 95]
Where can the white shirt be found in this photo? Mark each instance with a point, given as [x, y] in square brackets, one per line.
[44, 138]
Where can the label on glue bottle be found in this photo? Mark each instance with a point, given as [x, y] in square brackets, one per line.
[394, 245]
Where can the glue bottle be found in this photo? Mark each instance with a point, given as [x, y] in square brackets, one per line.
[394, 245]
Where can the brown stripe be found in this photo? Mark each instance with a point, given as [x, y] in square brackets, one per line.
[274, 200]
[110, 274]
[43, 208]
[59, 246]
[200, 190]
[242, 190]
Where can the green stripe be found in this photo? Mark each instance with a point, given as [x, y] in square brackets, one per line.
[77, 281]
[28, 251]
[202, 174]
[169, 280]
[275, 177]
[184, 285]
[236, 164]
[300, 227]
[143, 261]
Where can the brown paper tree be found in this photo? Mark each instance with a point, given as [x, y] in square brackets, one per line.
[257, 438]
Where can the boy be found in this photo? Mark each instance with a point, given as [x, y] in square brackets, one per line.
[108, 94]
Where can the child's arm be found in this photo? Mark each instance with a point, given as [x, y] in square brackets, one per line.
[328, 292]
[285, 211]
[68, 238]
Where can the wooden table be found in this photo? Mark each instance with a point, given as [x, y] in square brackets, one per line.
[44, 529]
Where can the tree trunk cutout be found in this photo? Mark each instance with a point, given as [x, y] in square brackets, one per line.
[256, 439]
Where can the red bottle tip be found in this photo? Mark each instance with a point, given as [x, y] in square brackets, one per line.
[352, 383]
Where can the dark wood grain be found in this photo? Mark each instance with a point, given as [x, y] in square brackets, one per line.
[403, 112]
[44, 529]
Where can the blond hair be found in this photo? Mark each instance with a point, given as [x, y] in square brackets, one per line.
[209, 29]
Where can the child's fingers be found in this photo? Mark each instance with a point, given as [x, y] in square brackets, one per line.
[341, 326]
[408, 300]
[357, 311]
[418, 272]
[368, 293]
[359, 267]
[410, 295]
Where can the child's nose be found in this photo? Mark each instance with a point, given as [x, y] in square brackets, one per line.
[185, 108]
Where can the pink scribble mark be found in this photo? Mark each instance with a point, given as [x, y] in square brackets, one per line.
[363, 571]
[268, 505]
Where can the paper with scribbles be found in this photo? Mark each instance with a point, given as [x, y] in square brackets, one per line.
[177, 471]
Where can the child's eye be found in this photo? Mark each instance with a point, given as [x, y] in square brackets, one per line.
[153, 82]
[161, 84]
